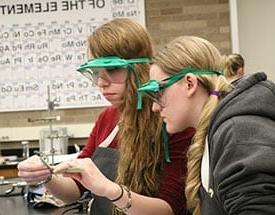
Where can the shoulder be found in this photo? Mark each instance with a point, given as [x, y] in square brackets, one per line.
[253, 99]
[245, 130]
[105, 123]
[240, 141]
[109, 114]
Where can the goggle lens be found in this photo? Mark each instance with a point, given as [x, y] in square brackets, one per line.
[155, 97]
[112, 75]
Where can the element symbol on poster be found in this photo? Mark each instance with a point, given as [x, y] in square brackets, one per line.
[43, 42]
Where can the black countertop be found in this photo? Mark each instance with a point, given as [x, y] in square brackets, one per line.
[17, 205]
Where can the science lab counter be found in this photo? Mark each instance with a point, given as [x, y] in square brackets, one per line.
[17, 205]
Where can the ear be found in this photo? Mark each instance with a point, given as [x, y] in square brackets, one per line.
[191, 83]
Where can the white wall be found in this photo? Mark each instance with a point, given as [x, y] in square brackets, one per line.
[253, 36]
[32, 133]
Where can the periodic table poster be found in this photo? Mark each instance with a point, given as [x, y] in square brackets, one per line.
[42, 42]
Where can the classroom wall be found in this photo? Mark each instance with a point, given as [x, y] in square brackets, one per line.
[256, 35]
[206, 18]
[165, 20]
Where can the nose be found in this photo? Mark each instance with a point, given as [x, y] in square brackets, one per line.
[102, 82]
[156, 107]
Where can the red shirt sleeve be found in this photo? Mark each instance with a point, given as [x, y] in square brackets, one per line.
[172, 181]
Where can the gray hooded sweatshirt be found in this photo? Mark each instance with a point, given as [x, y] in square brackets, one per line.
[241, 141]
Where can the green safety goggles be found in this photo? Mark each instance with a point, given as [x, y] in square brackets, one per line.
[91, 69]
[153, 89]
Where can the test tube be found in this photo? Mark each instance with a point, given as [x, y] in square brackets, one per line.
[26, 149]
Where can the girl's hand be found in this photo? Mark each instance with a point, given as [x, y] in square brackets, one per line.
[85, 171]
[33, 171]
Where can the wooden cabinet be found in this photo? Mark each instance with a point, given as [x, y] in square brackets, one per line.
[8, 170]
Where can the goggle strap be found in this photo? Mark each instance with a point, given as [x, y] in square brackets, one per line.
[139, 101]
[111, 61]
[187, 70]
[202, 71]
[138, 60]
[165, 144]
[139, 96]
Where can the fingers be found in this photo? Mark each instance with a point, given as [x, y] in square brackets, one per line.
[73, 166]
[76, 176]
[32, 170]
[33, 174]
[31, 164]
[38, 179]
[34, 177]
[85, 171]
[69, 170]
[60, 168]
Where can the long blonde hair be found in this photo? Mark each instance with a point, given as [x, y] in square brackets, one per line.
[139, 139]
[198, 53]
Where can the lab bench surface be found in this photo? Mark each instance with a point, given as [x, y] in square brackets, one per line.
[17, 205]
